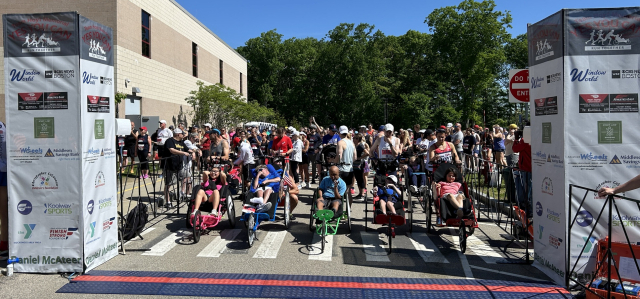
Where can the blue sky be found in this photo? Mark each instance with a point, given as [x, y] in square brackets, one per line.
[237, 21]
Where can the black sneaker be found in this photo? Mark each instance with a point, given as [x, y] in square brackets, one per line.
[291, 217]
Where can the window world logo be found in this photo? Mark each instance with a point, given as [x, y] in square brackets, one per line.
[536, 82]
[24, 75]
[587, 75]
[88, 78]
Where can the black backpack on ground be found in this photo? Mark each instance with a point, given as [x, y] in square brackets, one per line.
[136, 221]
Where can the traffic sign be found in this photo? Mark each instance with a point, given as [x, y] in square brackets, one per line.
[518, 86]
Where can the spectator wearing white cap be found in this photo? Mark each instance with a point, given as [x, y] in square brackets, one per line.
[296, 156]
[387, 147]
[346, 155]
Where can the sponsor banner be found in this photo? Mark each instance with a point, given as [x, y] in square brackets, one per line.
[603, 31]
[546, 106]
[37, 35]
[98, 138]
[601, 149]
[545, 40]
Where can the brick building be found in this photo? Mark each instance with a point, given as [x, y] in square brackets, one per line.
[160, 48]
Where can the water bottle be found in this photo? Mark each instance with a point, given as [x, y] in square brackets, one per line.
[10, 263]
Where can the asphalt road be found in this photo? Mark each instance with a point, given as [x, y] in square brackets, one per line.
[168, 246]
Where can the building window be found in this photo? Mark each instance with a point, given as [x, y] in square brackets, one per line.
[221, 70]
[241, 84]
[146, 34]
[194, 62]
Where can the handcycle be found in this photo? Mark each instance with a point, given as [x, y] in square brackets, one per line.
[252, 219]
[424, 191]
[444, 209]
[326, 221]
[383, 170]
[200, 223]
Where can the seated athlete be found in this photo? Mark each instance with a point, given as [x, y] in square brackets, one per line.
[212, 182]
[417, 180]
[389, 195]
[331, 189]
[265, 181]
[451, 191]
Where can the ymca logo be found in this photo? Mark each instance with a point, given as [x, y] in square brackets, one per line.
[540, 229]
[28, 230]
[589, 244]
[92, 226]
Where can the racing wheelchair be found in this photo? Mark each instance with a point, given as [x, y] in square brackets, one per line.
[402, 206]
[199, 222]
[445, 211]
[252, 218]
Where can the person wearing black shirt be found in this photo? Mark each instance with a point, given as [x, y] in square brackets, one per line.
[468, 143]
[175, 147]
[314, 144]
[129, 150]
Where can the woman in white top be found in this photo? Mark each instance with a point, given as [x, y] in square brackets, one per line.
[296, 156]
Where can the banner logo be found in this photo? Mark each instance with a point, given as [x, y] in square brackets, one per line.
[42, 44]
[105, 203]
[92, 226]
[29, 229]
[44, 180]
[606, 184]
[615, 160]
[544, 50]
[553, 215]
[90, 207]
[587, 75]
[27, 75]
[96, 51]
[625, 74]
[540, 229]
[554, 241]
[610, 41]
[589, 246]
[547, 186]
[584, 218]
[61, 233]
[536, 82]
[100, 180]
[49, 154]
[25, 207]
[539, 208]
[57, 209]
[88, 78]
[106, 225]
[59, 74]
[553, 78]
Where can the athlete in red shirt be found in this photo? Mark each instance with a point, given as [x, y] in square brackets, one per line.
[281, 144]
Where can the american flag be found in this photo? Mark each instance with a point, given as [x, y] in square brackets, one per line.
[287, 179]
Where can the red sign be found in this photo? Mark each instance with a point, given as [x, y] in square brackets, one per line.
[519, 86]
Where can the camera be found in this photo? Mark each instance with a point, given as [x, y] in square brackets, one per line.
[518, 134]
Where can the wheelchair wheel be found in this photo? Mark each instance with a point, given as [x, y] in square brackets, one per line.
[189, 211]
[196, 226]
[231, 211]
[348, 217]
[428, 213]
[323, 234]
[251, 234]
[312, 211]
[423, 202]
[287, 210]
[462, 234]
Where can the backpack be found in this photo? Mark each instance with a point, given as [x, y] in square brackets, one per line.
[135, 222]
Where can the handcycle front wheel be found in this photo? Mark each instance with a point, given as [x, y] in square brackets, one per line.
[462, 234]
[323, 234]
[390, 235]
[231, 211]
[287, 210]
[251, 233]
[196, 226]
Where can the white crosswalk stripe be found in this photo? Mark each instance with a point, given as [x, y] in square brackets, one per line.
[270, 245]
[162, 247]
[484, 251]
[315, 248]
[373, 248]
[427, 249]
[144, 232]
[219, 244]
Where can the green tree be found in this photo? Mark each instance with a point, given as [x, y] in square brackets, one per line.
[470, 39]
[224, 107]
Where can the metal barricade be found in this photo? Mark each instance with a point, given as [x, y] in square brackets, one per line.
[495, 198]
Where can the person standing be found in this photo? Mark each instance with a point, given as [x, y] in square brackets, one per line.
[510, 155]
[144, 153]
[468, 144]
[246, 159]
[457, 137]
[129, 150]
[347, 155]
[163, 134]
[361, 165]
[296, 157]
[314, 145]
[175, 148]
[206, 143]
[303, 168]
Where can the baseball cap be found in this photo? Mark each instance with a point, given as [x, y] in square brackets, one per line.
[388, 127]
[449, 125]
[207, 125]
[393, 178]
[428, 132]
[163, 122]
[296, 133]
[344, 130]
[476, 126]
[215, 131]
[143, 128]
[422, 131]
[443, 127]
[381, 128]
[303, 133]
[171, 127]
[513, 126]
[177, 131]
[363, 126]
[332, 127]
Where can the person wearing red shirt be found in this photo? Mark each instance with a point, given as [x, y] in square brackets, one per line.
[523, 176]
[282, 144]
[206, 142]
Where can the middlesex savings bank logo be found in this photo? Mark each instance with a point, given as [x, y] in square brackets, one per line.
[44, 180]
[98, 40]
